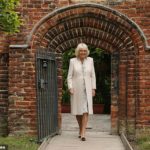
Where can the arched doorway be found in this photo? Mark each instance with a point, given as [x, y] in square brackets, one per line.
[100, 121]
[102, 27]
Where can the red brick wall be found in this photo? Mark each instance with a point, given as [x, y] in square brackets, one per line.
[133, 68]
[32, 11]
[22, 101]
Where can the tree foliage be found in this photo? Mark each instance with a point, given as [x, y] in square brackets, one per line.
[9, 18]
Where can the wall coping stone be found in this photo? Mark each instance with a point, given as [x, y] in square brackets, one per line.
[19, 46]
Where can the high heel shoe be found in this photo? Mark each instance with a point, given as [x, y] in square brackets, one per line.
[79, 136]
[83, 139]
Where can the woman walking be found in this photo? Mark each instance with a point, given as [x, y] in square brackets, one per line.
[82, 84]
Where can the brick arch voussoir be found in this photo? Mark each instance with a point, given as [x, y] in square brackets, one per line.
[87, 9]
[62, 28]
[81, 22]
[90, 32]
[72, 43]
[94, 19]
[99, 14]
[87, 22]
[115, 42]
[54, 31]
[126, 40]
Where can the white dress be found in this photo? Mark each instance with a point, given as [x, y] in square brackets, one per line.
[81, 78]
[84, 95]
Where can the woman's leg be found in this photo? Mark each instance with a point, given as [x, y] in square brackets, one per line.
[79, 120]
[84, 124]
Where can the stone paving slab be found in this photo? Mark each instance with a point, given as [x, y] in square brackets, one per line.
[68, 140]
[97, 122]
[98, 135]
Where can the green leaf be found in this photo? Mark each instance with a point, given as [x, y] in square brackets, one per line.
[9, 18]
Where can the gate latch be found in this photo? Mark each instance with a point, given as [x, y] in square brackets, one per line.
[42, 84]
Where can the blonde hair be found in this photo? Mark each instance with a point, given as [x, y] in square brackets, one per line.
[81, 46]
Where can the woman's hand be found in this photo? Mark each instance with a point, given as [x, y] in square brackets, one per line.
[71, 91]
[93, 92]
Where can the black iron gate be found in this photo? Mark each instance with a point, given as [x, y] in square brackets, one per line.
[46, 70]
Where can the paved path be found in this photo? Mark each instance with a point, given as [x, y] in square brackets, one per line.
[98, 135]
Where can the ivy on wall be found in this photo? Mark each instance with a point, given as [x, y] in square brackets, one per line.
[9, 18]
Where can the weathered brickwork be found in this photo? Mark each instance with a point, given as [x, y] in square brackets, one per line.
[22, 101]
[96, 25]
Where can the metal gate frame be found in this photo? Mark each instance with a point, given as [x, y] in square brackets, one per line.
[47, 94]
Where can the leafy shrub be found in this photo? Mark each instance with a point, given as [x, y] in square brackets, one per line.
[9, 18]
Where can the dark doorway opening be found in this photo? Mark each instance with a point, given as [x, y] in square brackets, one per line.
[102, 63]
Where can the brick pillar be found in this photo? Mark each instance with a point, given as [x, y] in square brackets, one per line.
[131, 95]
[122, 97]
[22, 93]
[114, 92]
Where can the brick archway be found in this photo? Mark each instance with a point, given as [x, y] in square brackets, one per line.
[105, 28]
[110, 30]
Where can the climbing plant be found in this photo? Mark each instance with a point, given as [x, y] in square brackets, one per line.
[9, 18]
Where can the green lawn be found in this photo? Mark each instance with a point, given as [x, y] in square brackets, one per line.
[143, 142]
[19, 143]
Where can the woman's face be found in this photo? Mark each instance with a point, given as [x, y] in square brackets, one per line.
[82, 53]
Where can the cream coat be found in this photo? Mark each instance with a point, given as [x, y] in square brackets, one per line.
[74, 81]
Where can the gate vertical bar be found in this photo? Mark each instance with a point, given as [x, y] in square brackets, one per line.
[46, 77]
